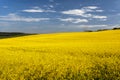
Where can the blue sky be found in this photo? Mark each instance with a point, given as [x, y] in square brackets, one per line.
[44, 16]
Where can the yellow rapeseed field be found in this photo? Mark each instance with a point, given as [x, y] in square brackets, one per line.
[61, 56]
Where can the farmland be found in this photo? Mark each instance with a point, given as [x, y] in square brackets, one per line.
[61, 56]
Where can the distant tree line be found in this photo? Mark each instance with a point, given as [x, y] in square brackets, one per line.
[12, 34]
[116, 28]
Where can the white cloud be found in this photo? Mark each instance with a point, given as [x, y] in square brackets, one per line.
[14, 17]
[49, 7]
[74, 20]
[82, 13]
[116, 25]
[100, 26]
[87, 15]
[99, 17]
[36, 9]
[92, 26]
[91, 7]
[86, 12]
[99, 10]
[74, 12]
[103, 19]
[33, 10]
[4, 24]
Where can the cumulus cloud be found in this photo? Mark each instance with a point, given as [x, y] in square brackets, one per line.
[33, 10]
[14, 17]
[99, 17]
[91, 7]
[86, 12]
[74, 12]
[83, 11]
[74, 20]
